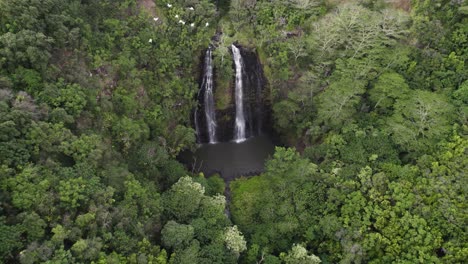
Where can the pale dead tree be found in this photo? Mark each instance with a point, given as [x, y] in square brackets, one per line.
[426, 114]
[357, 26]
[24, 102]
[304, 4]
[366, 36]
[422, 112]
[393, 23]
[336, 29]
[298, 48]
[309, 83]
[249, 3]
[324, 36]
[6, 95]
[243, 4]
[402, 4]
[239, 8]
[356, 29]
[262, 258]
[348, 17]
[340, 104]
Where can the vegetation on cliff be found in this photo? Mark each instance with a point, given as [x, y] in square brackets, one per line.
[369, 97]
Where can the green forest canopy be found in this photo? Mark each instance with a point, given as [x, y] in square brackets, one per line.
[369, 97]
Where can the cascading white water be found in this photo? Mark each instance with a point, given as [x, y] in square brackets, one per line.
[239, 130]
[209, 100]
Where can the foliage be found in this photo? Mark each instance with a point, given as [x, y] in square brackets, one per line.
[234, 240]
[96, 101]
[298, 254]
[372, 92]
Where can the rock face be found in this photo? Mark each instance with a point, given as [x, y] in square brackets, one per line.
[256, 106]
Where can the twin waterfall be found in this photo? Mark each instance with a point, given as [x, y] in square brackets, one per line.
[239, 119]
[239, 130]
[209, 100]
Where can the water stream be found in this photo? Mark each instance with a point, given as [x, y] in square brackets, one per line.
[209, 100]
[239, 129]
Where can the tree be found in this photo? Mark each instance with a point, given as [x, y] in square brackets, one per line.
[388, 88]
[130, 132]
[73, 192]
[70, 97]
[339, 103]
[10, 238]
[188, 255]
[271, 208]
[234, 240]
[30, 189]
[442, 182]
[34, 53]
[420, 120]
[86, 149]
[298, 255]
[355, 31]
[34, 226]
[297, 47]
[183, 199]
[304, 4]
[87, 249]
[180, 137]
[15, 121]
[176, 235]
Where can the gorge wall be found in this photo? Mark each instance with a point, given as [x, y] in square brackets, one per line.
[255, 103]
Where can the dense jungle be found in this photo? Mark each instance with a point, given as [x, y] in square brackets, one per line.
[356, 112]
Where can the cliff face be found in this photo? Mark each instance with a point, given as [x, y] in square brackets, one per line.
[257, 108]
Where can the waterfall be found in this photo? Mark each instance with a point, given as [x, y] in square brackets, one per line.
[207, 84]
[239, 130]
[243, 117]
